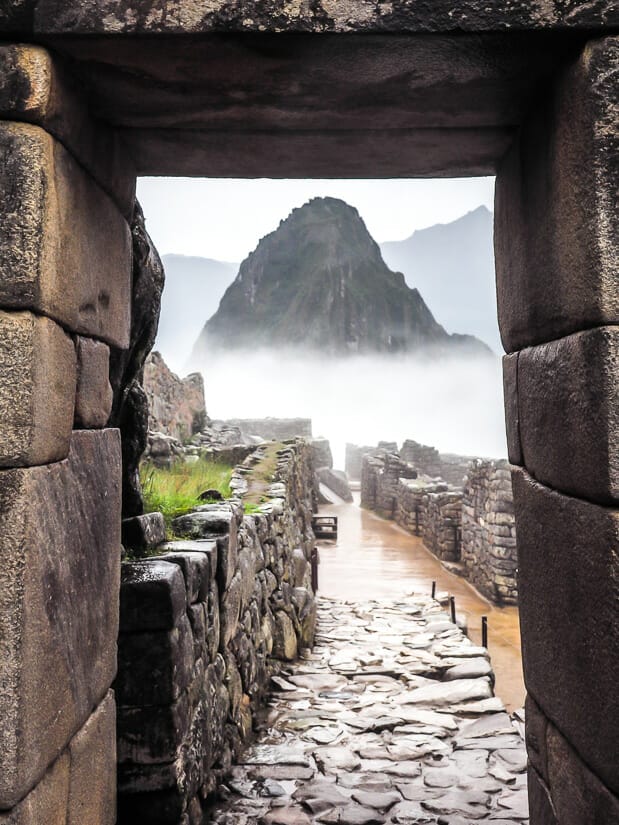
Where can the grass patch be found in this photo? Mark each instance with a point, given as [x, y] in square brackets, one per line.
[175, 491]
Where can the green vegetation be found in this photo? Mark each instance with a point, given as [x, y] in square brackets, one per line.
[176, 491]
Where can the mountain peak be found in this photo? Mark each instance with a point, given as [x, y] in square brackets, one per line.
[319, 281]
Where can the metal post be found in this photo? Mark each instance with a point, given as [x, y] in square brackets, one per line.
[417, 522]
[315, 561]
[452, 608]
[433, 590]
[457, 541]
[484, 631]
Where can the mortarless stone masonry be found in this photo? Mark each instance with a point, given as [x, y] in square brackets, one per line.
[489, 553]
[473, 525]
[524, 90]
[202, 629]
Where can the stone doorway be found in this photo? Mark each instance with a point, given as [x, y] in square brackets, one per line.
[90, 97]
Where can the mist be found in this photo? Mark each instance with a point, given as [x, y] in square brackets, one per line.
[454, 404]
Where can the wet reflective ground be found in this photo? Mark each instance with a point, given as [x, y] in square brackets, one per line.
[375, 558]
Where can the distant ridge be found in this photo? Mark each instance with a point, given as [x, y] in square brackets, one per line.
[319, 282]
[452, 265]
[194, 287]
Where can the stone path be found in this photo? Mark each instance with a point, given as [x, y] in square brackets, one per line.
[391, 719]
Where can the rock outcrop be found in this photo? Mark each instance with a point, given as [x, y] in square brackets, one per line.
[319, 282]
[176, 406]
[130, 407]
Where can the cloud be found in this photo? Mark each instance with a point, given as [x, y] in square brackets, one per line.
[454, 404]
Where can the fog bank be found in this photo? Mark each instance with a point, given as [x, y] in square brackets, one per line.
[455, 404]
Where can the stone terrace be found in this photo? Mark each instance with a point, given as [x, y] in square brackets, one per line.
[391, 719]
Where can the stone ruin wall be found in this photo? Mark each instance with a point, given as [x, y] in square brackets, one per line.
[272, 429]
[473, 527]
[203, 626]
[489, 553]
[433, 512]
[176, 406]
[426, 460]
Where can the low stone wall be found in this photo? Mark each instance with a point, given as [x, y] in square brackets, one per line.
[433, 512]
[272, 429]
[472, 526]
[380, 475]
[489, 532]
[426, 459]
[202, 628]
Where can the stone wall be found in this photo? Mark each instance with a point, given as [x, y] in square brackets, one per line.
[176, 406]
[203, 627]
[65, 287]
[433, 512]
[380, 476]
[272, 429]
[426, 460]
[489, 550]
[472, 526]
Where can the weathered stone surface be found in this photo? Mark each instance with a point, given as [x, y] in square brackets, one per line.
[59, 587]
[578, 796]
[54, 16]
[93, 400]
[36, 88]
[152, 596]
[65, 248]
[92, 783]
[569, 413]
[47, 802]
[154, 668]
[284, 637]
[150, 734]
[555, 217]
[37, 390]
[229, 612]
[145, 532]
[569, 567]
[196, 572]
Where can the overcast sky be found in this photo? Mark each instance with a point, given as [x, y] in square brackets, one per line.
[225, 219]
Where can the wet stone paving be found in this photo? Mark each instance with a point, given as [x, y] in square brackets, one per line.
[390, 719]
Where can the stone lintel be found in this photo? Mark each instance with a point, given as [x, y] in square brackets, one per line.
[568, 553]
[65, 249]
[36, 88]
[59, 584]
[180, 17]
